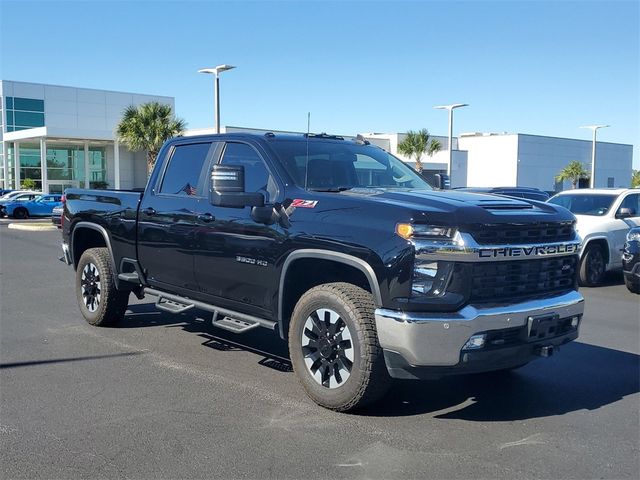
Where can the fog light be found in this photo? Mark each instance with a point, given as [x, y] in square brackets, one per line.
[575, 321]
[475, 342]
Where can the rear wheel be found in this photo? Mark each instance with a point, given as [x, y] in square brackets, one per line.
[334, 347]
[592, 266]
[20, 213]
[100, 302]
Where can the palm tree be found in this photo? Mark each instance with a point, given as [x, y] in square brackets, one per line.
[416, 144]
[147, 127]
[574, 171]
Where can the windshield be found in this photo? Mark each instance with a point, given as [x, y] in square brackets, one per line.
[585, 204]
[336, 166]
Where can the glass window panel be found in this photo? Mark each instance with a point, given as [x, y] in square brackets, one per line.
[9, 102]
[28, 119]
[256, 175]
[30, 104]
[185, 166]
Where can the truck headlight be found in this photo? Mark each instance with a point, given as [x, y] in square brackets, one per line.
[426, 232]
[633, 235]
[430, 278]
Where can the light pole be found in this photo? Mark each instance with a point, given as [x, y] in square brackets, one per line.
[450, 108]
[594, 128]
[216, 71]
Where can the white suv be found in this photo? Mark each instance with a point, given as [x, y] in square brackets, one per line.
[604, 215]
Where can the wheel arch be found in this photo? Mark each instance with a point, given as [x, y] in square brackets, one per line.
[357, 270]
[85, 235]
[603, 242]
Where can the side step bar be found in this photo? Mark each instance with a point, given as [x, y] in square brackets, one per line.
[232, 321]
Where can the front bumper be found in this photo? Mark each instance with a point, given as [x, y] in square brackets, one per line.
[436, 341]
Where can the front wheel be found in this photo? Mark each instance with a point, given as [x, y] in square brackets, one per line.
[100, 302]
[20, 213]
[592, 266]
[334, 347]
[633, 284]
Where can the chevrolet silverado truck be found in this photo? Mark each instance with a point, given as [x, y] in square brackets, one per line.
[339, 247]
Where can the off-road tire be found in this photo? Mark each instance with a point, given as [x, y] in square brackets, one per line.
[633, 285]
[592, 267]
[112, 303]
[20, 213]
[368, 380]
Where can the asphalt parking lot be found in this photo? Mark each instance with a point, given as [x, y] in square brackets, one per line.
[172, 397]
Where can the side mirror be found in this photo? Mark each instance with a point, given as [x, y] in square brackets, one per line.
[226, 188]
[625, 212]
[443, 181]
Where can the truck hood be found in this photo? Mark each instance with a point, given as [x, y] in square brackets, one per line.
[459, 208]
[590, 224]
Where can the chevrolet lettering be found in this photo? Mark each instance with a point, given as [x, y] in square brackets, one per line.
[536, 251]
[340, 249]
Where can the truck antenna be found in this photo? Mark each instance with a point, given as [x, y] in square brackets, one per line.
[306, 166]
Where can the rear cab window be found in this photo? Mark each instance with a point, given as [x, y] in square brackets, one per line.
[185, 172]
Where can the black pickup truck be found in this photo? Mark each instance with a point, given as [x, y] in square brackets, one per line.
[341, 248]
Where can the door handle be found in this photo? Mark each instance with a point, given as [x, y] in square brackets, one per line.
[149, 211]
[206, 217]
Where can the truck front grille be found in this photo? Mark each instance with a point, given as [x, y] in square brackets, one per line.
[522, 234]
[522, 278]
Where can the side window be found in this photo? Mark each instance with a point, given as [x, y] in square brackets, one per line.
[256, 176]
[632, 201]
[182, 175]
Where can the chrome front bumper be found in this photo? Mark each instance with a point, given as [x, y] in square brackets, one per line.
[436, 339]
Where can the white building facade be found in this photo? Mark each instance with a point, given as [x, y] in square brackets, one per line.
[496, 160]
[62, 137]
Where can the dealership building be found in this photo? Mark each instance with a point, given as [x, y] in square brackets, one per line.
[64, 137]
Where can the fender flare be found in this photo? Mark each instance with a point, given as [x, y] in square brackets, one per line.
[338, 257]
[107, 241]
[595, 238]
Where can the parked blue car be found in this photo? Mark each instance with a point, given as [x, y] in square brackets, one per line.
[41, 206]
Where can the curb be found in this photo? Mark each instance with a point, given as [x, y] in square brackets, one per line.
[34, 227]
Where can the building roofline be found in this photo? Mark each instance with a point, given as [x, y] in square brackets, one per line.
[506, 134]
[87, 88]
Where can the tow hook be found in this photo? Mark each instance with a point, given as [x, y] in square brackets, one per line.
[546, 351]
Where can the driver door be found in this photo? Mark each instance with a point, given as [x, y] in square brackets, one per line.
[623, 225]
[236, 259]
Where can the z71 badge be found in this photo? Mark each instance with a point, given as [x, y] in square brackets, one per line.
[299, 203]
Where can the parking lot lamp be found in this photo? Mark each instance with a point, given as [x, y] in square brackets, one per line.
[450, 108]
[594, 128]
[216, 71]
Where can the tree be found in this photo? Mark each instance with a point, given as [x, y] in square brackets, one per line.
[635, 179]
[147, 127]
[417, 144]
[28, 184]
[574, 171]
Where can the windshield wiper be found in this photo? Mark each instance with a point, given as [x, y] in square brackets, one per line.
[330, 189]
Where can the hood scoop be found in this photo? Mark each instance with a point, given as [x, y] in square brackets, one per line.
[504, 205]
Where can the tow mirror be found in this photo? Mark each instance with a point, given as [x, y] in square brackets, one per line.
[227, 188]
[443, 181]
[625, 212]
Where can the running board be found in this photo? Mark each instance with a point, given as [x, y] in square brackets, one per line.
[172, 306]
[132, 277]
[234, 325]
[231, 320]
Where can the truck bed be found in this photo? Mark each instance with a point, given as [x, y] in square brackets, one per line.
[115, 211]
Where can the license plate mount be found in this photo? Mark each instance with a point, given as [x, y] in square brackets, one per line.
[544, 326]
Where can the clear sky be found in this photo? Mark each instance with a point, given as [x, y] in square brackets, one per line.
[535, 67]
